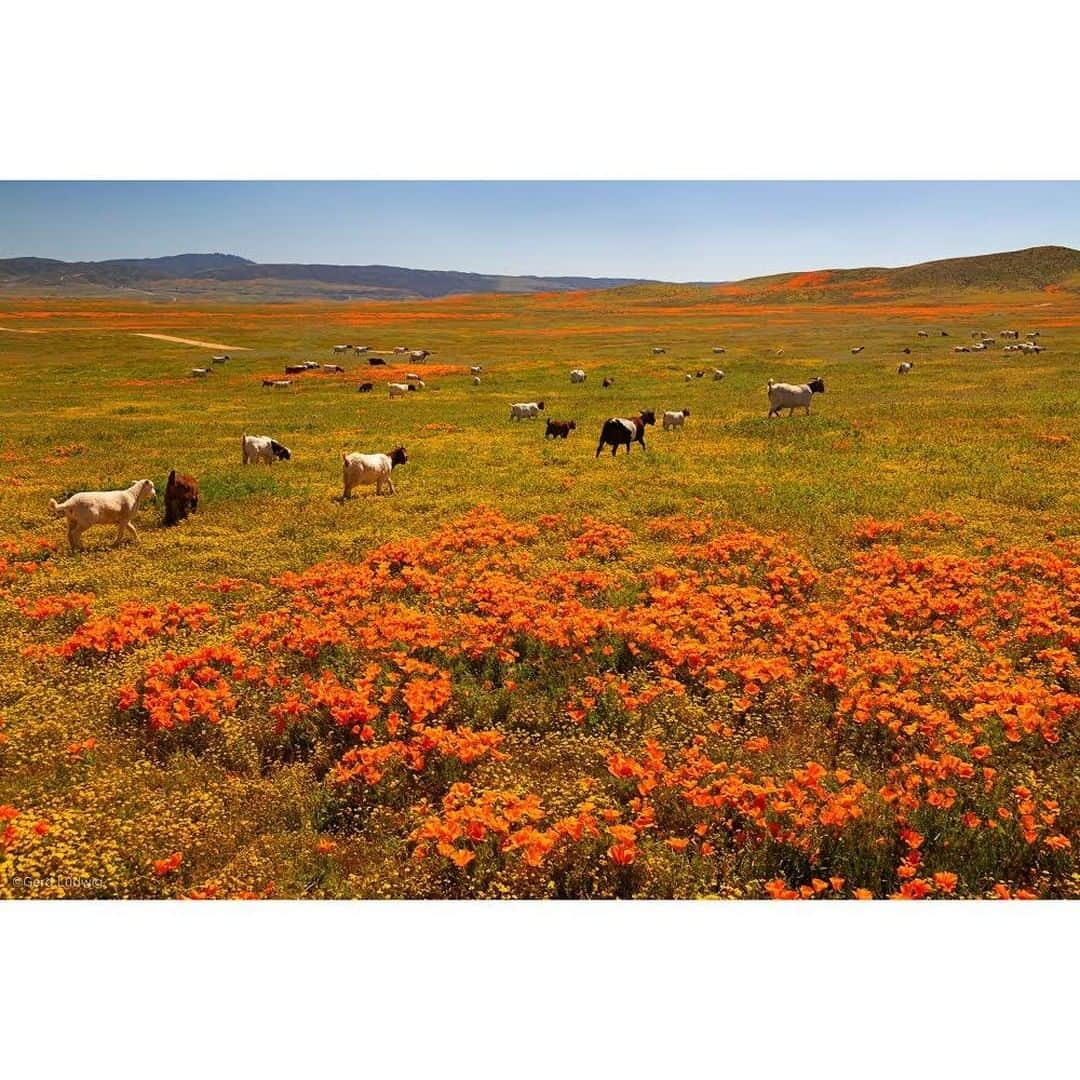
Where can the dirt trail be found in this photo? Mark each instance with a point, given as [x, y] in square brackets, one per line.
[192, 341]
[9, 330]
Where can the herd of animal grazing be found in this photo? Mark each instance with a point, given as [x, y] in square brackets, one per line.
[86, 509]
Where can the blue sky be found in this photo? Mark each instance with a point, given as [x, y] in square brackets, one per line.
[680, 231]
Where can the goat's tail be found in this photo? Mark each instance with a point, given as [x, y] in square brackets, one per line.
[55, 507]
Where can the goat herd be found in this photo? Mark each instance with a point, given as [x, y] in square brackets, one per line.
[88, 508]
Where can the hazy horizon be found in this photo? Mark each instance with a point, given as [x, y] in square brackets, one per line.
[668, 230]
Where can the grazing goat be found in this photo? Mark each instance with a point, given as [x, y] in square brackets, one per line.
[201, 372]
[961, 348]
[282, 384]
[658, 350]
[618, 431]
[526, 410]
[269, 382]
[376, 361]
[577, 376]
[89, 508]
[906, 351]
[418, 385]
[411, 376]
[476, 369]
[181, 497]
[419, 354]
[398, 389]
[717, 375]
[401, 349]
[923, 333]
[607, 382]
[718, 349]
[791, 397]
[360, 349]
[689, 377]
[333, 367]
[857, 349]
[476, 380]
[559, 429]
[261, 449]
[341, 348]
[220, 359]
[904, 367]
[364, 469]
[295, 369]
[365, 387]
[673, 420]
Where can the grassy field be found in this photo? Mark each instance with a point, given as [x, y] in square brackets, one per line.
[826, 656]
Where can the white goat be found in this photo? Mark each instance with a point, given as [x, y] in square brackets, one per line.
[476, 380]
[674, 420]
[790, 397]
[717, 374]
[398, 389]
[526, 410]
[366, 469]
[905, 367]
[577, 376]
[261, 449]
[117, 508]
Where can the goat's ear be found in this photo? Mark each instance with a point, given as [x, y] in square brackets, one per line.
[172, 477]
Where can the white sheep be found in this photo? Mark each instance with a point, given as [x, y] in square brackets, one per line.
[674, 420]
[718, 349]
[366, 469]
[201, 372]
[577, 375]
[89, 508]
[261, 449]
[526, 410]
[791, 397]
[476, 369]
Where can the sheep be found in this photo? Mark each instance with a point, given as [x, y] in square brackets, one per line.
[526, 410]
[360, 349]
[365, 387]
[401, 349]
[674, 420]
[619, 431]
[923, 333]
[577, 376]
[89, 508]
[310, 365]
[269, 382]
[857, 349]
[904, 367]
[961, 348]
[658, 350]
[476, 369]
[220, 359]
[201, 372]
[790, 397]
[419, 355]
[944, 333]
[262, 449]
[181, 497]
[476, 380]
[559, 429]
[717, 375]
[363, 469]
[718, 349]
[341, 348]
[398, 389]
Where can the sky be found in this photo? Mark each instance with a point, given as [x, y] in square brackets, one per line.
[671, 230]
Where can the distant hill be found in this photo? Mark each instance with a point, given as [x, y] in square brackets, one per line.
[231, 278]
[216, 276]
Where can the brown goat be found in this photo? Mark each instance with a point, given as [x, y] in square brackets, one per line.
[181, 497]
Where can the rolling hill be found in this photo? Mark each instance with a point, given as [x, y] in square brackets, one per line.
[230, 277]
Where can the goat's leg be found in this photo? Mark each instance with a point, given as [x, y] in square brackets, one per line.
[73, 536]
